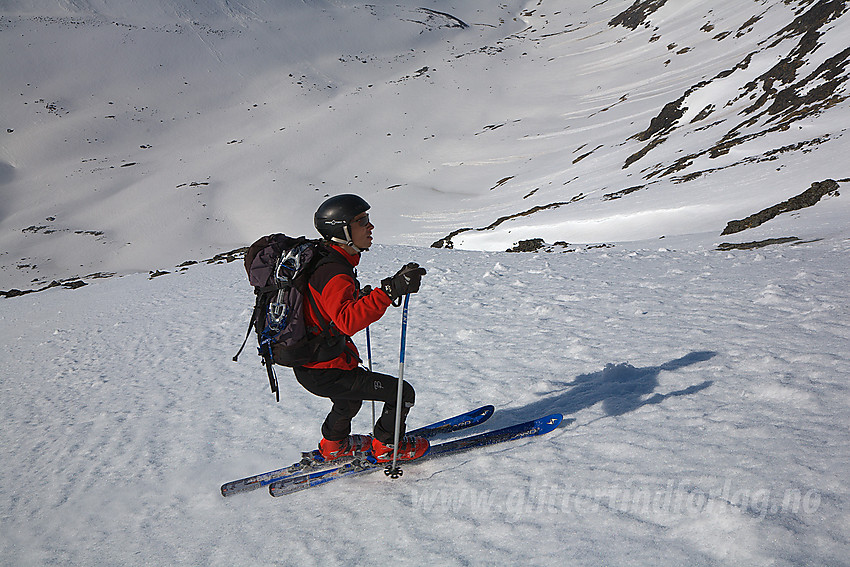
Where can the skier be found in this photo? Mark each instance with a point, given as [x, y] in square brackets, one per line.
[344, 224]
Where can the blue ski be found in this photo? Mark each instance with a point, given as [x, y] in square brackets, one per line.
[456, 423]
[366, 464]
[312, 460]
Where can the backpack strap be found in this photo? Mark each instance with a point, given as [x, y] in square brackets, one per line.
[255, 316]
[323, 325]
[329, 330]
[245, 342]
[265, 354]
[328, 255]
[268, 362]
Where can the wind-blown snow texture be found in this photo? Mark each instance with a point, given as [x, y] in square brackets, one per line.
[708, 387]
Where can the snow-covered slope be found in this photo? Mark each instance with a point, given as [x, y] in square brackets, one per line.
[709, 391]
[708, 386]
[136, 136]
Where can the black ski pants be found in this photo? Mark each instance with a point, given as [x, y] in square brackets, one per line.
[347, 389]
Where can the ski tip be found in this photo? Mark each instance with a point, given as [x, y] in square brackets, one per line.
[485, 411]
[549, 423]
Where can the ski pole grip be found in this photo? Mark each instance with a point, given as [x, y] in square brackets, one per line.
[403, 329]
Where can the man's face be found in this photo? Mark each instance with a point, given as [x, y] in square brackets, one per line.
[361, 231]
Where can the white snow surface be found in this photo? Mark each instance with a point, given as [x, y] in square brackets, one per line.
[709, 392]
[706, 390]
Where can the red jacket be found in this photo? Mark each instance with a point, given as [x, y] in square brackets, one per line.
[335, 288]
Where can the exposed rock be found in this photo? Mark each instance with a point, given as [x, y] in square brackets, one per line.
[622, 193]
[73, 283]
[637, 14]
[757, 244]
[805, 199]
[539, 245]
[779, 97]
[227, 257]
[448, 20]
[666, 119]
[446, 242]
[532, 245]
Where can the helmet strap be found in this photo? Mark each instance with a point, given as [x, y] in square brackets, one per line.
[347, 241]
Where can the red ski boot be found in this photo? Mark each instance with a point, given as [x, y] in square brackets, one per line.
[409, 448]
[352, 444]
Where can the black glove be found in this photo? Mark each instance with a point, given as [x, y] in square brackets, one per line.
[406, 281]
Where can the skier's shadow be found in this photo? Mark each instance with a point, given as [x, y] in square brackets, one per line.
[620, 388]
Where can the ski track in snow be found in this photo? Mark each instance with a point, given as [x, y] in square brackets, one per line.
[709, 391]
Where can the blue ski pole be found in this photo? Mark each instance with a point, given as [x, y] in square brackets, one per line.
[395, 471]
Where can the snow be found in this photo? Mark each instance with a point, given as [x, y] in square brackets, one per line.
[709, 391]
[708, 388]
[202, 114]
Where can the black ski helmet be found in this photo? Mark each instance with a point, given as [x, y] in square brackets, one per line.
[333, 217]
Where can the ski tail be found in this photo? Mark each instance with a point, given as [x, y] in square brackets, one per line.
[256, 481]
[297, 483]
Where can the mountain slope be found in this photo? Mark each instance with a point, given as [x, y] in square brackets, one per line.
[576, 122]
[706, 385]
